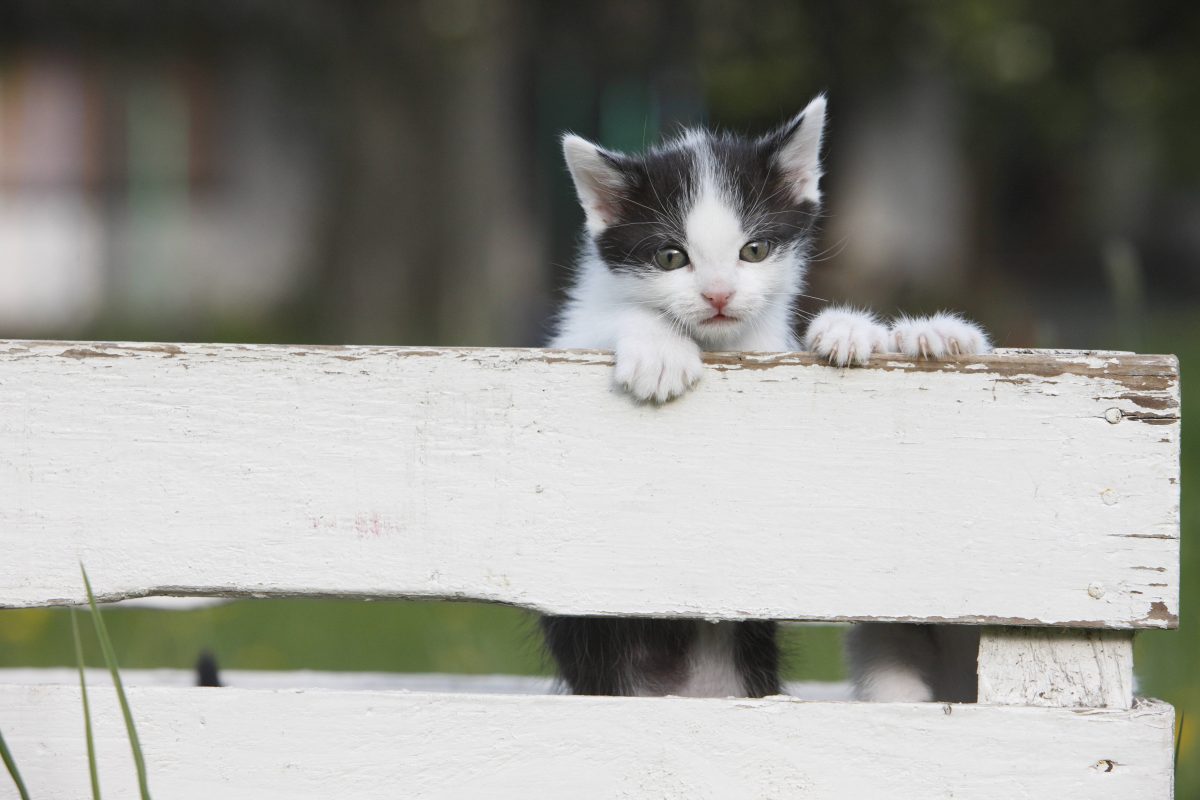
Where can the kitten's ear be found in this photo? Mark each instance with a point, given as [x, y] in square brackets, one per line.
[598, 180]
[797, 151]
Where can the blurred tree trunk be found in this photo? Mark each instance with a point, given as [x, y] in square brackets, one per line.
[430, 237]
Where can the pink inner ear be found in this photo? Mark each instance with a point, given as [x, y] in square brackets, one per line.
[802, 188]
[605, 205]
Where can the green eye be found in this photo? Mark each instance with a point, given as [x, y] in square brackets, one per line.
[755, 251]
[671, 258]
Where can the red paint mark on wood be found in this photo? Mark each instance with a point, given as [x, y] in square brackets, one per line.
[370, 525]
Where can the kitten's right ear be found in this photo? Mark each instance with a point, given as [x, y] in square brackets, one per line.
[598, 181]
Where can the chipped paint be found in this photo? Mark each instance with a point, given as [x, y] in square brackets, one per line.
[1160, 613]
[230, 452]
[437, 744]
[87, 352]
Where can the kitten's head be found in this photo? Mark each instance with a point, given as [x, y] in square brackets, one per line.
[711, 231]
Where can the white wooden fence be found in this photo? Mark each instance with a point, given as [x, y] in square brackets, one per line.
[1036, 489]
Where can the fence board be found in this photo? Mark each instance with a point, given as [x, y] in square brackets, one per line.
[277, 745]
[1027, 488]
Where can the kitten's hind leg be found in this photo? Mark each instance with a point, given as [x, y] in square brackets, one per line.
[891, 662]
[901, 663]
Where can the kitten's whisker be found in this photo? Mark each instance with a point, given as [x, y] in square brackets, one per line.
[831, 252]
[627, 224]
[624, 197]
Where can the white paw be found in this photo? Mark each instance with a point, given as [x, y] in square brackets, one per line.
[844, 336]
[657, 369]
[938, 336]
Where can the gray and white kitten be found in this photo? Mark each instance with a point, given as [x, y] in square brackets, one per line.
[702, 244]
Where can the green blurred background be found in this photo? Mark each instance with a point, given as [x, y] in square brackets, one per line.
[388, 172]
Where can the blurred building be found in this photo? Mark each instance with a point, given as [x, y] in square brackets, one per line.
[150, 192]
[389, 171]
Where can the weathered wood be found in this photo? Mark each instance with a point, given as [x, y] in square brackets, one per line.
[1051, 667]
[1008, 489]
[239, 744]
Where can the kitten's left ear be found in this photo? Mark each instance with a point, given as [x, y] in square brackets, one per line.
[797, 151]
[598, 181]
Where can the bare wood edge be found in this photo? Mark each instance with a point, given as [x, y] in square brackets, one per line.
[1160, 616]
[1141, 374]
[1151, 381]
[1077, 362]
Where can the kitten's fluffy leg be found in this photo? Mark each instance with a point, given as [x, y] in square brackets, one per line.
[940, 335]
[654, 362]
[845, 336]
[916, 663]
[899, 663]
[891, 663]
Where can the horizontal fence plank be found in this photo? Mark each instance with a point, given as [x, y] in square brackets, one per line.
[241, 744]
[1025, 488]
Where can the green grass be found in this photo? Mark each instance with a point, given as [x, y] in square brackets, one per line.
[336, 635]
[110, 660]
[1168, 662]
[87, 709]
[13, 772]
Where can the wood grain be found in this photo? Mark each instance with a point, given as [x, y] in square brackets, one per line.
[1054, 667]
[1027, 488]
[239, 744]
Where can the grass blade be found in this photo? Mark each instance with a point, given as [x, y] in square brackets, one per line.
[12, 769]
[87, 711]
[1179, 736]
[110, 658]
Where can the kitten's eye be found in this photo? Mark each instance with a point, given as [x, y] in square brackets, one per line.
[671, 258]
[755, 251]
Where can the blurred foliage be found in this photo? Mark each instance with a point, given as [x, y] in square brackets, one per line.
[1168, 662]
[1074, 120]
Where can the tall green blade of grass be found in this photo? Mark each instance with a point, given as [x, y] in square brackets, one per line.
[1179, 736]
[12, 769]
[110, 658]
[87, 712]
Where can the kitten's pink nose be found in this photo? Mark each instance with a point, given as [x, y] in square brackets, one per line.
[717, 299]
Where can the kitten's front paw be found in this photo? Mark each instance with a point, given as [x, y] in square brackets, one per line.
[844, 336]
[657, 369]
[938, 336]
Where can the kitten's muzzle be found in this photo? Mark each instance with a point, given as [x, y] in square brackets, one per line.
[717, 299]
[717, 319]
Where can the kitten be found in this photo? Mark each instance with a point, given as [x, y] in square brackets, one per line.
[701, 244]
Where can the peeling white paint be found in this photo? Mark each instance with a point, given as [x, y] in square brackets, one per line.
[1032, 667]
[239, 744]
[905, 492]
